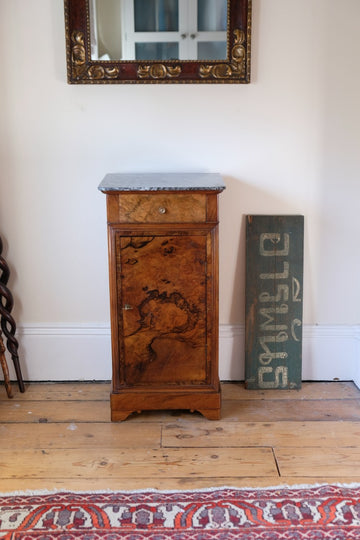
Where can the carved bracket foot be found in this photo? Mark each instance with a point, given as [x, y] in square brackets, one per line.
[211, 414]
[120, 416]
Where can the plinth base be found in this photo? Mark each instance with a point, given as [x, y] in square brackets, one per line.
[126, 402]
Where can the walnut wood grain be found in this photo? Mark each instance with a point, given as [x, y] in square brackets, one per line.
[163, 302]
[163, 260]
[160, 208]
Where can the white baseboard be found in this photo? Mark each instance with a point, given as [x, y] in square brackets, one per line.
[357, 361]
[83, 352]
[64, 352]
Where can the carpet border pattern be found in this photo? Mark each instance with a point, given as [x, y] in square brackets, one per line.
[323, 512]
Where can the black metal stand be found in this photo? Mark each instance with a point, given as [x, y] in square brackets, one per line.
[7, 322]
[5, 368]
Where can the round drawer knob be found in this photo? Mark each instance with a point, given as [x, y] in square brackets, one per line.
[162, 210]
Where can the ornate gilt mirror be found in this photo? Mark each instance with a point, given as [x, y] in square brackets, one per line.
[150, 41]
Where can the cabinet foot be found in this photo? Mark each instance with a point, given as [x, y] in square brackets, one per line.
[119, 416]
[211, 414]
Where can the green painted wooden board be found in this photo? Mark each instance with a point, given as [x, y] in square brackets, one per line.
[274, 294]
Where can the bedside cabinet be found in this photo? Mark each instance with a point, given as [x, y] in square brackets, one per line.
[163, 266]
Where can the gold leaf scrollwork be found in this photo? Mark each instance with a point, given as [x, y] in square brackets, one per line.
[237, 65]
[100, 72]
[158, 71]
[81, 68]
[111, 72]
[96, 72]
[78, 57]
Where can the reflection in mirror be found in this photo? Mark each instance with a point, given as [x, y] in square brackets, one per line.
[158, 29]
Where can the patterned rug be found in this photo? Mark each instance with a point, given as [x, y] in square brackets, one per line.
[304, 513]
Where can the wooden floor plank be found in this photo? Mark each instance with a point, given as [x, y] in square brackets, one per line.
[129, 484]
[59, 436]
[231, 411]
[340, 462]
[269, 410]
[309, 390]
[53, 411]
[80, 435]
[280, 411]
[272, 434]
[136, 463]
[230, 391]
[60, 392]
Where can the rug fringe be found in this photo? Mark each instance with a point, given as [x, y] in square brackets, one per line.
[351, 485]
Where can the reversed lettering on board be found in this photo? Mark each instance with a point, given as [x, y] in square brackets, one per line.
[274, 306]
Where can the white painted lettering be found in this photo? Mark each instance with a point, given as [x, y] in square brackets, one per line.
[295, 290]
[281, 294]
[280, 377]
[274, 239]
[267, 313]
[277, 275]
[295, 323]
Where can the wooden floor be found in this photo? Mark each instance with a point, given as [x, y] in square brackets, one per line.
[60, 436]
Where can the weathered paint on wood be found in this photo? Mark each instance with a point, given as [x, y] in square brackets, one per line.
[274, 290]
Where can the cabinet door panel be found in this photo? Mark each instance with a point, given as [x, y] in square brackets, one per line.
[163, 298]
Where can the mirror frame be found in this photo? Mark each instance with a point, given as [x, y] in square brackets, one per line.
[82, 70]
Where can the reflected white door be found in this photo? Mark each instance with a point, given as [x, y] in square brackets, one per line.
[174, 29]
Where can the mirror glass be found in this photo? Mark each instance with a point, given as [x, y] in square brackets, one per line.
[164, 30]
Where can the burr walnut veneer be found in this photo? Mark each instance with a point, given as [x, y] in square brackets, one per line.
[163, 263]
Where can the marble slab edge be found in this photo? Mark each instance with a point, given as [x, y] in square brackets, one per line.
[162, 182]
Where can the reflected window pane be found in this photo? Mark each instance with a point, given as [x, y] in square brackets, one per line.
[212, 15]
[212, 50]
[156, 15]
[157, 51]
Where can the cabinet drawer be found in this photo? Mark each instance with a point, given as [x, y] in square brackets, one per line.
[158, 208]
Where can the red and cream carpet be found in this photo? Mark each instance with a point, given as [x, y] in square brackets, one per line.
[305, 513]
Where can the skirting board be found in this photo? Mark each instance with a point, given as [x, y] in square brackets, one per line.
[357, 362]
[83, 352]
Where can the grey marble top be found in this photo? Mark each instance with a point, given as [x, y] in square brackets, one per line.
[161, 182]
